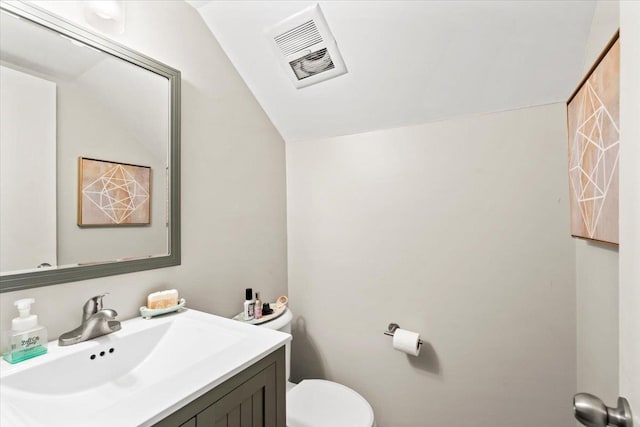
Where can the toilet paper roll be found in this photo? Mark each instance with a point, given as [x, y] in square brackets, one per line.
[406, 342]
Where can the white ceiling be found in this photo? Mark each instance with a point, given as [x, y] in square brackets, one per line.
[409, 62]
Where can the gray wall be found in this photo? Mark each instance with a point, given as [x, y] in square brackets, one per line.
[458, 230]
[233, 183]
[597, 268]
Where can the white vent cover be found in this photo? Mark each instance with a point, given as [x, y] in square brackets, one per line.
[306, 48]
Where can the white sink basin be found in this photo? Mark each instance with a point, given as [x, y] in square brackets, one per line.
[136, 376]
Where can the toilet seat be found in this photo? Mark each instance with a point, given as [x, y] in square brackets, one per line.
[320, 403]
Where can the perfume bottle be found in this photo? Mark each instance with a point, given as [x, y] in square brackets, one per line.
[257, 311]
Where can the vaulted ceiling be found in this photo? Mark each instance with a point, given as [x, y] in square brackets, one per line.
[409, 62]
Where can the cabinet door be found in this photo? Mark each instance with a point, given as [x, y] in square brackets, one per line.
[252, 404]
[190, 423]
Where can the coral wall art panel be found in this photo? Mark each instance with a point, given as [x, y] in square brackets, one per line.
[111, 193]
[594, 149]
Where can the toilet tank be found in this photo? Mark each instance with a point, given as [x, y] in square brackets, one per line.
[283, 324]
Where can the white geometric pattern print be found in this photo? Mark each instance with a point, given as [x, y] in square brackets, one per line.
[116, 193]
[594, 158]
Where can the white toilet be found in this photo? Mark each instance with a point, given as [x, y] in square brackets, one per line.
[320, 403]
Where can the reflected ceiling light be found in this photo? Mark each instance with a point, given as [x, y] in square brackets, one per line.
[105, 9]
[105, 15]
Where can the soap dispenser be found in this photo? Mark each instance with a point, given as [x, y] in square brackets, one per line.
[27, 339]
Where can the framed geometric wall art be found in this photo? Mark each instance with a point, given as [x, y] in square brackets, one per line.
[113, 194]
[593, 121]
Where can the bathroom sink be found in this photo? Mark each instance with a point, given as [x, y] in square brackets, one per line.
[136, 376]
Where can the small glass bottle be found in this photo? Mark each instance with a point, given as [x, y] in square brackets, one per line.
[257, 313]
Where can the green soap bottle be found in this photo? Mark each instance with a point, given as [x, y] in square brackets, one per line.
[26, 339]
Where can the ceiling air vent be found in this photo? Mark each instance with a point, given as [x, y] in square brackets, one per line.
[306, 48]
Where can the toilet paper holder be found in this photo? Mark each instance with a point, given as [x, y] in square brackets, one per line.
[391, 329]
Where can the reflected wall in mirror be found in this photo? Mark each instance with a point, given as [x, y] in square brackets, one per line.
[66, 94]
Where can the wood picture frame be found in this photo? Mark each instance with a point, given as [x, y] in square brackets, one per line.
[593, 121]
[113, 193]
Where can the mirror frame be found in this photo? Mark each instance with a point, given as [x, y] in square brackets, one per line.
[14, 282]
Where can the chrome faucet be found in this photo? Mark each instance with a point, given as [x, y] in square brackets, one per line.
[96, 321]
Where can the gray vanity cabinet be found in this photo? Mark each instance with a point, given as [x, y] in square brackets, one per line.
[254, 397]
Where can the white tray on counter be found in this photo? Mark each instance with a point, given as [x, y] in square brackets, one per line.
[277, 312]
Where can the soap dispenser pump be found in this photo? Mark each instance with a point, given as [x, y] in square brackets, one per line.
[27, 339]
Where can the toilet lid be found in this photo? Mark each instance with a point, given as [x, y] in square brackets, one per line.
[320, 403]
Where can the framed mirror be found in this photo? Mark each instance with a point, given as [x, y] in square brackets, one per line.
[90, 154]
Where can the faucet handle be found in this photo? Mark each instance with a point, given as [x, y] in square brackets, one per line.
[92, 306]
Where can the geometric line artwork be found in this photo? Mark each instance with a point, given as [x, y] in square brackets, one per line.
[117, 194]
[591, 186]
[594, 150]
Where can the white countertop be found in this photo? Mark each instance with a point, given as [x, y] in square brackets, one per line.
[157, 366]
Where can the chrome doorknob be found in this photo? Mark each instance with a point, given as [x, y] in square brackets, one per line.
[592, 412]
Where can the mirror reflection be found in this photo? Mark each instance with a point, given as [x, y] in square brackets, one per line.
[63, 100]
